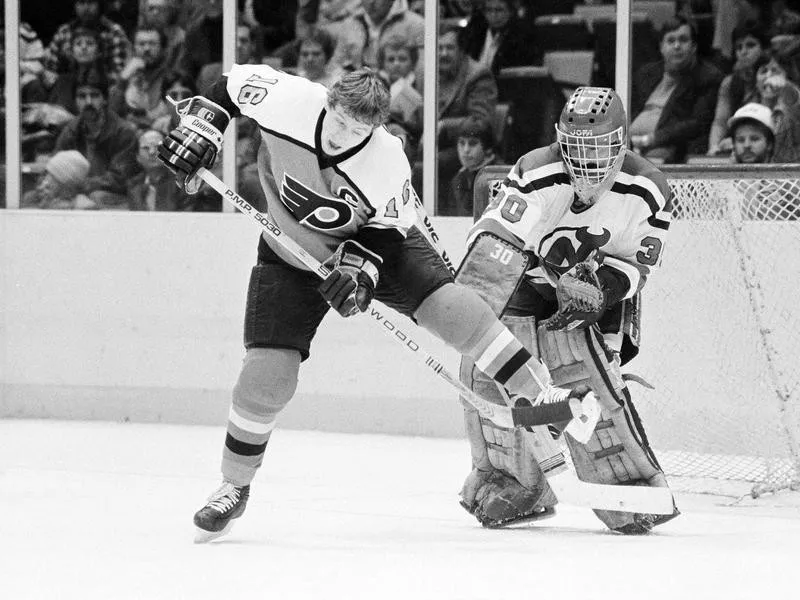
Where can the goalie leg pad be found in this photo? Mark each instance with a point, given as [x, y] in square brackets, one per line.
[618, 451]
[506, 484]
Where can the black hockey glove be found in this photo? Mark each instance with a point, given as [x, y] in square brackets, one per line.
[195, 142]
[350, 286]
[581, 299]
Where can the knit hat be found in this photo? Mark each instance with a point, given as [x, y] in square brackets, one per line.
[753, 112]
[68, 167]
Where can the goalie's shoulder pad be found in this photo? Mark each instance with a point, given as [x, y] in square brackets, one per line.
[639, 167]
[493, 267]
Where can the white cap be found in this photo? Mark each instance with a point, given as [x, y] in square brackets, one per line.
[754, 112]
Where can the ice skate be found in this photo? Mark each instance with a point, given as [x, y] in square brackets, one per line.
[215, 519]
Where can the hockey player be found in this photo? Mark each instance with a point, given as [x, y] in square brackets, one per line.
[338, 184]
[594, 218]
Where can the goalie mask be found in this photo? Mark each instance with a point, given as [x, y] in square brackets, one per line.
[592, 134]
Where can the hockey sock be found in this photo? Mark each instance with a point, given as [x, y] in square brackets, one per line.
[245, 443]
[464, 321]
[501, 356]
[265, 385]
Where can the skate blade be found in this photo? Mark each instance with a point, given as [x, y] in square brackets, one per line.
[202, 536]
[548, 513]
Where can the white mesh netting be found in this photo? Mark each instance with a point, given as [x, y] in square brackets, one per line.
[721, 332]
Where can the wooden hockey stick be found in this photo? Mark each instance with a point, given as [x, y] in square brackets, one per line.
[502, 416]
[568, 488]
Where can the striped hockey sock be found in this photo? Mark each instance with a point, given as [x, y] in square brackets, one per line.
[502, 357]
[245, 443]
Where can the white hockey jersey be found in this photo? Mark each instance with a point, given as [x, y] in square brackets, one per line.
[534, 208]
[319, 200]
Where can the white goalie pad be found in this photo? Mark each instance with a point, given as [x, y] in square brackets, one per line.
[618, 452]
[493, 268]
[506, 450]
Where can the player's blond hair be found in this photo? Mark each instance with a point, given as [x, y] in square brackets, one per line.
[363, 95]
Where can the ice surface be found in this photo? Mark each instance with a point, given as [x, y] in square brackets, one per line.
[104, 510]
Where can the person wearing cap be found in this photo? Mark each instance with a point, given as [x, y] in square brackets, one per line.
[750, 44]
[475, 146]
[61, 186]
[753, 133]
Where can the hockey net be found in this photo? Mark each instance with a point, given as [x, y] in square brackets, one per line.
[721, 331]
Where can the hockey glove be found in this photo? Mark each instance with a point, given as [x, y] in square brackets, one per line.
[581, 299]
[195, 142]
[350, 286]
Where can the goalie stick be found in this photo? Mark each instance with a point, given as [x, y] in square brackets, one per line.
[573, 491]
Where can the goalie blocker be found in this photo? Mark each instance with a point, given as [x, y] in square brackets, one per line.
[508, 483]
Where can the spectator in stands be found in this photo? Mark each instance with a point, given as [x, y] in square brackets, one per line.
[115, 45]
[362, 34]
[466, 89]
[728, 16]
[105, 139]
[398, 59]
[273, 22]
[162, 15]
[31, 53]
[124, 12]
[245, 55]
[673, 100]
[753, 133]
[475, 151]
[750, 44]
[782, 19]
[459, 10]
[138, 95]
[154, 188]
[777, 88]
[500, 39]
[329, 15]
[314, 60]
[204, 40]
[61, 185]
[31, 68]
[85, 53]
[177, 86]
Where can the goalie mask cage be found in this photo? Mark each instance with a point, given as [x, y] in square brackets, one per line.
[721, 329]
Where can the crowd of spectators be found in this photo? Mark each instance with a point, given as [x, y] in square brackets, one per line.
[96, 76]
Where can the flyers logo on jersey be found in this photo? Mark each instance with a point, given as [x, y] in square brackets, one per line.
[567, 246]
[324, 213]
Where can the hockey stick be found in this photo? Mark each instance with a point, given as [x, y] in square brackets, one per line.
[582, 418]
[568, 488]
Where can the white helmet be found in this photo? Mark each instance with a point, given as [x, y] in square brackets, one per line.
[592, 132]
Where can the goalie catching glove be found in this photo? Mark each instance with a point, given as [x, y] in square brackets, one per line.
[350, 286]
[195, 142]
[581, 299]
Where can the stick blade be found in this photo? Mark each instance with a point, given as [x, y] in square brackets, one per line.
[625, 498]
